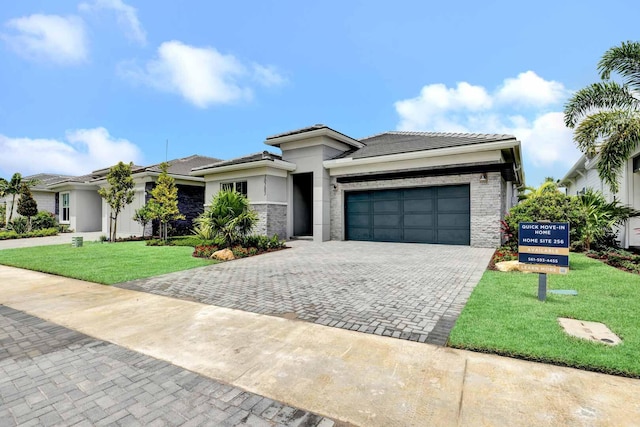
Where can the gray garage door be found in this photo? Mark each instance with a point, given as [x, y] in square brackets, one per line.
[418, 215]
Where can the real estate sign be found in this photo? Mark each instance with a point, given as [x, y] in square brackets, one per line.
[543, 247]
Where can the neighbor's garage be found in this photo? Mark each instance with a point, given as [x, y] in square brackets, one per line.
[412, 215]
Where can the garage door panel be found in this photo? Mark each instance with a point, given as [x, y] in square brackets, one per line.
[359, 207]
[417, 205]
[383, 206]
[418, 236]
[387, 234]
[455, 220]
[421, 215]
[418, 220]
[453, 205]
[393, 220]
[359, 220]
[419, 193]
[461, 191]
[357, 233]
[453, 237]
[385, 195]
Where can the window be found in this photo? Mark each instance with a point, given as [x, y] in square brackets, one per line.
[240, 187]
[65, 207]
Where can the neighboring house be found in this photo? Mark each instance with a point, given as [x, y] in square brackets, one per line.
[584, 174]
[395, 187]
[44, 196]
[75, 200]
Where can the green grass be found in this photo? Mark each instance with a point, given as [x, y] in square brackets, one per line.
[106, 263]
[503, 316]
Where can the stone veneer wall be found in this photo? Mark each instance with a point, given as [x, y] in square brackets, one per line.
[190, 204]
[486, 202]
[272, 219]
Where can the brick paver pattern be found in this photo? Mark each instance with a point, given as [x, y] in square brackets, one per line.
[50, 375]
[401, 290]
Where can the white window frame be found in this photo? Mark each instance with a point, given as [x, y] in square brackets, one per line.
[62, 208]
[231, 185]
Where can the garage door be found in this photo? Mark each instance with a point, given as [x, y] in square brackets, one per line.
[418, 215]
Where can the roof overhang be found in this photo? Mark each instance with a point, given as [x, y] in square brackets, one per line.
[326, 132]
[343, 165]
[578, 168]
[275, 164]
[73, 185]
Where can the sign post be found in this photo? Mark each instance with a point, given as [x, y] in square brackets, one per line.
[543, 247]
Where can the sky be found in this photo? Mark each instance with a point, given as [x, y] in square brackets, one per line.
[87, 83]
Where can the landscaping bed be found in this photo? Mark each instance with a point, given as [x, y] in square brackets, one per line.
[106, 263]
[12, 234]
[503, 316]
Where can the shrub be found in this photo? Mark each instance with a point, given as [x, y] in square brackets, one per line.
[12, 234]
[44, 219]
[262, 243]
[548, 206]
[229, 216]
[19, 225]
[3, 215]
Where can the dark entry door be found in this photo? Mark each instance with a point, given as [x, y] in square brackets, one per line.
[417, 215]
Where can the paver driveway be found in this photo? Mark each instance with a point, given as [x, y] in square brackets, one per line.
[51, 375]
[407, 291]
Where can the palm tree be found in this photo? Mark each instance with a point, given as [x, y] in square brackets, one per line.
[549, 185]
[606, 115]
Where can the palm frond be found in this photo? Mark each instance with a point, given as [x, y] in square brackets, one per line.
[623, 59]
[598, 96]
[591, 131]
[616, 150]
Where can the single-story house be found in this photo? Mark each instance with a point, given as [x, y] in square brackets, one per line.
[424, 187]
[44, 196]
[584, 174]
[75, 200]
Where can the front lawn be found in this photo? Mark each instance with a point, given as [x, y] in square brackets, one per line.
[106, 263]
[503, 316]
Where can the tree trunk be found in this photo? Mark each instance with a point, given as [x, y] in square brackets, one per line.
[115, 228]
[13, 203]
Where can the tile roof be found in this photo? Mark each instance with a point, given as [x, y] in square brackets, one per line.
[255, 157]
[46, 179]
[298, 131]
[182, 166]
[397, 142]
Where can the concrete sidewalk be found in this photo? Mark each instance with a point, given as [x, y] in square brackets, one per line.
[358, 378]
[60, 239]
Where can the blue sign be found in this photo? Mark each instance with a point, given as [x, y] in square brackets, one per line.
[544, 243]
[546, 234]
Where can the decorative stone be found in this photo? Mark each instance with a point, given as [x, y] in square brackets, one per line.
[508, 265]
[592, 331]
[223, 255]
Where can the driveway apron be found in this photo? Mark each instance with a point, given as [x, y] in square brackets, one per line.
[407, 291]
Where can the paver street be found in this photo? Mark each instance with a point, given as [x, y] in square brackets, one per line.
[51, 375]
[407, 291]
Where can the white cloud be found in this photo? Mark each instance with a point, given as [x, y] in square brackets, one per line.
[83, 151]
[268, 75]
[468, 108]
[201, 75]
[127, 17]
[532, 90]
[54, 38]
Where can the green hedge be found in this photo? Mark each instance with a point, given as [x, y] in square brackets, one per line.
[7, 235]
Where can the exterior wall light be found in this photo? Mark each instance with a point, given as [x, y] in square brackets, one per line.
[483, 178]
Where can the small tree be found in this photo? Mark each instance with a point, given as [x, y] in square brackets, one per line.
[229, 216]
[164, 200]
[119, 194]
[14, 188]
[143, 216]
[27, 206]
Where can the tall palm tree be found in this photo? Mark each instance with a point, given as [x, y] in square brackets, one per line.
[606, 115]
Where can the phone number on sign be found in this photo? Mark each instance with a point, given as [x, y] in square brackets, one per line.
[542, 260]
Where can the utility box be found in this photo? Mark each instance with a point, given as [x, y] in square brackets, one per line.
[76, 242]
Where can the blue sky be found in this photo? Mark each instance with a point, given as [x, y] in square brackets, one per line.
[86, 83]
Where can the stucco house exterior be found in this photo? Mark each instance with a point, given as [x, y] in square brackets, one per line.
[420, 187]
[584, 174]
